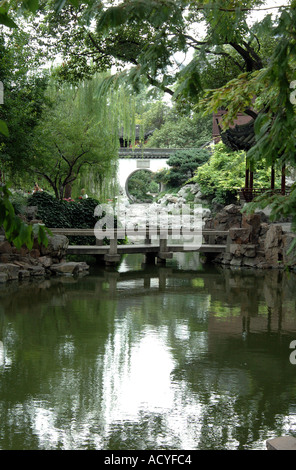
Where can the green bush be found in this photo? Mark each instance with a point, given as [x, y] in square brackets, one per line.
[66, 214]
[19, 202]
[224, 174]
[140, 184]
[183, 165]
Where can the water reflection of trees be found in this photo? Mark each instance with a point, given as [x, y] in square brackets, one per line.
[70, 346]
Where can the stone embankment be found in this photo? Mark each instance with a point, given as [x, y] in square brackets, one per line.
[253, 241]
[40, 261]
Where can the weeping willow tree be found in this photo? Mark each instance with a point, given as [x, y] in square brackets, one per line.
[78, 137]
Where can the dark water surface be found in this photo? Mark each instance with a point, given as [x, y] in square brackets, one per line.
[178, 357]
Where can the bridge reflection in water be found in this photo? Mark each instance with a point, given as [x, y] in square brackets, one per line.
[181, 356]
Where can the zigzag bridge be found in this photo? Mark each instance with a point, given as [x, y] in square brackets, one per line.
[204, 241]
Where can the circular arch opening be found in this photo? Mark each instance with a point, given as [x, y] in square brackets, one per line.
[141, 186]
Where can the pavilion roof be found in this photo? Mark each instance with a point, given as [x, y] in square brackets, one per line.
[239, 137]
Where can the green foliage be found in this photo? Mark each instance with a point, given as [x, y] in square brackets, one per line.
[23, 100]
[276, 114]
[183, 166]
[65, 214]
[19, 202]
[147, 35]
[154, 116]
[182, 132]
[224, 174]
[16, 230]
[279, 205]
[140, 184]
[78, 130]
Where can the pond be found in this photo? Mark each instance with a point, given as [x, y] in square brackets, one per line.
[185, 356]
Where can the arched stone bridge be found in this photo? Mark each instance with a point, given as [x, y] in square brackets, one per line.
[132, 160]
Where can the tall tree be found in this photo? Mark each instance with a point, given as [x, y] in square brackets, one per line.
[24, 87]
[78, 130]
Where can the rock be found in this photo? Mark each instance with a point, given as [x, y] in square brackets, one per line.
[236, 262]
[66, 268]
[23, 273]
[263, 229]
[206, 213]
[289, 257]
[239, 250]
[57, 246]
[11, 270]
[31, 212]
[46, 261]
[252, 221]
[5, 258]
[273, 237]
[272, 245]
[3, 277]
[182, 192]
[250, 251]
[229, 217]
[195, 189]
[35, 253]
[36, 271]
[232, 209]
[252, 262]
[172, 199]
[198, 196]
[83, 266]
[263, 217]
[240, 235]
[224, 259]
[5, 247]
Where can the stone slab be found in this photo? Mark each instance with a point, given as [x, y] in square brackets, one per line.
[281, 443]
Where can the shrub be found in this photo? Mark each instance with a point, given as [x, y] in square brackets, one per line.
[224, 174]
[19, 202]
[66, 214]
[183, 165]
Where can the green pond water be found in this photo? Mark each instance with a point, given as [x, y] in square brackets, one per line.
[186, 356]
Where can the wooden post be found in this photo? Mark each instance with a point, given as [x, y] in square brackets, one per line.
[247, 178]
[147, 236]
[251, 179]
[283, 183]
[272, 178]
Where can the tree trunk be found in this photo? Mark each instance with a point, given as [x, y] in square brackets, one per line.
[68, 191]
